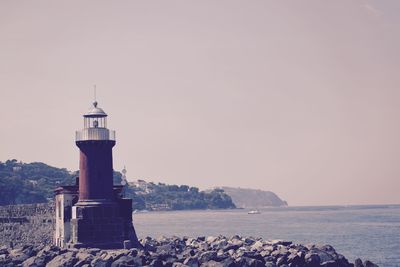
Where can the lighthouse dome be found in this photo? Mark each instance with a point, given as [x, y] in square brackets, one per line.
[95, 112]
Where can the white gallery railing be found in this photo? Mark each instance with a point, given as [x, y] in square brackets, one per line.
[95, 134]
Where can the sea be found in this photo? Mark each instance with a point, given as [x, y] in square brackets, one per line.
[367, 232]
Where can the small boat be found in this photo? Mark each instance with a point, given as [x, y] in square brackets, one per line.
[254, 212]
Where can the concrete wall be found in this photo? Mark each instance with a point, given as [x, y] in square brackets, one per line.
[26, 224]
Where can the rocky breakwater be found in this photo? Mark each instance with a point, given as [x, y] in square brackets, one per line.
[175, 251]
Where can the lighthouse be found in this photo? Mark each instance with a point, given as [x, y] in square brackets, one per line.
[93, 212]
[95, 142]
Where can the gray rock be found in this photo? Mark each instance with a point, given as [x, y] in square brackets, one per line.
[80, 263]
[203, 246]
[369, 264]
[211, 264]
[265, 253]
[133, 252]
[18, 255]
[93, 251]
[326, 248]
[127, 244]
[170, 260]
[4, 250]
[211, 239]
[323, 256]
[294, 259]
[228, 262]
[329, 264]
[221, 244]
[270, 264]
[281, 261]
[208, 256]
[312, 259]
[191, 261]
[29, 251]
[257, 246]
[156, 263]
[124, 261]
[257, 263]
[64, 260]
[99, 262]
[231, 247]
[249, 241]
[34, 262]
[358, 263]
[84, 257]
[342, 261]
[164, 248]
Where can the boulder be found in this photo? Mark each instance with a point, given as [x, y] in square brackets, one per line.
[211, 239]
[281, 261]
[18, 255]
[80, 263]
[329, 264]
[270, 264]
[228, 262]
[125, 261]
[257, 246]
[3, 250]
[93, 251]
[326, 248]
[156, 263]
[208, 256]
[294, 260]
[99, 262]
[164, 248]
[369, 264]
[64, 260]
[358, 263]
[312, 260]
[84, 257]
[231, 247]
[34, 262]
[249, 241]
[191, 261]
[211, 264]
[323, 256]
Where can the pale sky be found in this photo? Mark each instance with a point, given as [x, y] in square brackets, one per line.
[298, 97]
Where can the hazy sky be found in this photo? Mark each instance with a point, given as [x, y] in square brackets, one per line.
[298, 97]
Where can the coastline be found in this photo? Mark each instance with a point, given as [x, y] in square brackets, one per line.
[271, 224]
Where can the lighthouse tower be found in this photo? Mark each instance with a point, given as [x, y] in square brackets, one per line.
[95, 143]
[100, 217]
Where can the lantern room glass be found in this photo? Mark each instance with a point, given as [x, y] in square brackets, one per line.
[95, 122]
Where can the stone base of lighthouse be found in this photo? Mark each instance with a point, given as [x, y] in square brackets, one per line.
[102, 224]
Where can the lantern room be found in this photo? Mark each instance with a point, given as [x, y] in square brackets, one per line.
[95, 118]
[95, 126]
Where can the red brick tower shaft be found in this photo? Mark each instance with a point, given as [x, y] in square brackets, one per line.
[95, 170]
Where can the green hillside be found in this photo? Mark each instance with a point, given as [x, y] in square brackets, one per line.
[22, 183]
[26, 183]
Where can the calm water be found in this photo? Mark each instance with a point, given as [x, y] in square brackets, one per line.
[367, 232]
